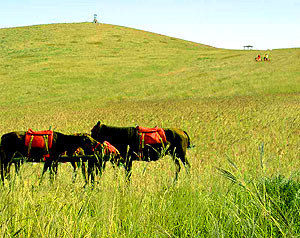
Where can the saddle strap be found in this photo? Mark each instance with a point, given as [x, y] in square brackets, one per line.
[46, 144]
[142, 140]
[29, 145]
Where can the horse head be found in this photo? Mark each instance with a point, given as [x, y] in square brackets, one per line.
[88, 143]
[95, 130]
[106, 151]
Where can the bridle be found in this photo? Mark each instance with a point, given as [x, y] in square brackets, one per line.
[95, 147]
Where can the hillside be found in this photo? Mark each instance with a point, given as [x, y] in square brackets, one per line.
[61, 72]
[79, 62]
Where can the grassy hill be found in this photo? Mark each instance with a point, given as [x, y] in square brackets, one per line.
[53, 67]
[69, 76]
[83, 61]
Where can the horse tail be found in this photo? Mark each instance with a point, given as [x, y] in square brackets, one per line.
[0, 150]
[2, 154]
[189, 140]
[2, 158]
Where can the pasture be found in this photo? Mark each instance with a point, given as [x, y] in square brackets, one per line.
[242, 116]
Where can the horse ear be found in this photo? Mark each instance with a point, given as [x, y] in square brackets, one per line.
[98, 123]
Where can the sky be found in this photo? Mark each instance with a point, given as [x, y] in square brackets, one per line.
[229, 24]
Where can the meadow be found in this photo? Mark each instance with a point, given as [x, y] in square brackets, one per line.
[243, 118]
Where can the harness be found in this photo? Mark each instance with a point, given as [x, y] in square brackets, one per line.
[110, 149]
[150, 136]
[39, 139]
[107, 148]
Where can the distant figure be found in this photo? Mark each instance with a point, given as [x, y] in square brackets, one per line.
[95, 19]
[266, 57]
[258, 58]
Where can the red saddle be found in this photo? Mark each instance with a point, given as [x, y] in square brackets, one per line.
[39, 139]
[110, 149]
[150, 136]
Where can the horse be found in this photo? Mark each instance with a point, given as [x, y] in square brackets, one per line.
[13, 143]
[104, 152]
[127, 141]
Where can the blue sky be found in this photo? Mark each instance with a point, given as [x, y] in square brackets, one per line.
[231, 24]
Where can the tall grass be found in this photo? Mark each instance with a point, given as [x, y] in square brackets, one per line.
[272, 204]
[151, 206]
[69, 76]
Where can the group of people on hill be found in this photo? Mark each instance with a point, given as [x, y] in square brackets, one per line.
[259, 58]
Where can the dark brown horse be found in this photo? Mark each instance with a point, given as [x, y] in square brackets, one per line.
[13, 145]
[127, 141]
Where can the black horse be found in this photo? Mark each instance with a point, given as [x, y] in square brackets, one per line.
[13, 144]
[127, 141]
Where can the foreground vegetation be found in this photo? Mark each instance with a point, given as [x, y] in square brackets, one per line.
[242, 116]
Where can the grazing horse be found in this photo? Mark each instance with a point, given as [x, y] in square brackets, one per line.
[127, 141]
[13, 143]
[105, 152]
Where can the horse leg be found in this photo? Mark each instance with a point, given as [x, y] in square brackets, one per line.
[128, 169]
[74, 165]
[6, 159]
[99, 163]
[91, 170]
[2, 159]
[84, 172]
[180, 155]
[178, 168]
[45, 168]
[47, 165]
[186, 163]
[17, 166]
[100, 166]
[3, 171]
[2, 174]
[7, 169]
[115, 164]
[54, 168]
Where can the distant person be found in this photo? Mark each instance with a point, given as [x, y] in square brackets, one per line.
[266, 57]
[258, 58]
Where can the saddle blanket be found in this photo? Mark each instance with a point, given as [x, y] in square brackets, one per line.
[154, 135]
[110, 149]
[39, 139]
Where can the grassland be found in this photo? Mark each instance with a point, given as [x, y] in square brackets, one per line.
[242, 116]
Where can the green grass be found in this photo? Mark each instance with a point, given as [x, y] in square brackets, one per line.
[69, 76]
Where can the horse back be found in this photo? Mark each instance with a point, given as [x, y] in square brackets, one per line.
[12, 142]
[178, 139]
[120, 137]
[15, 141]
[13, 138]
[116, 135]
